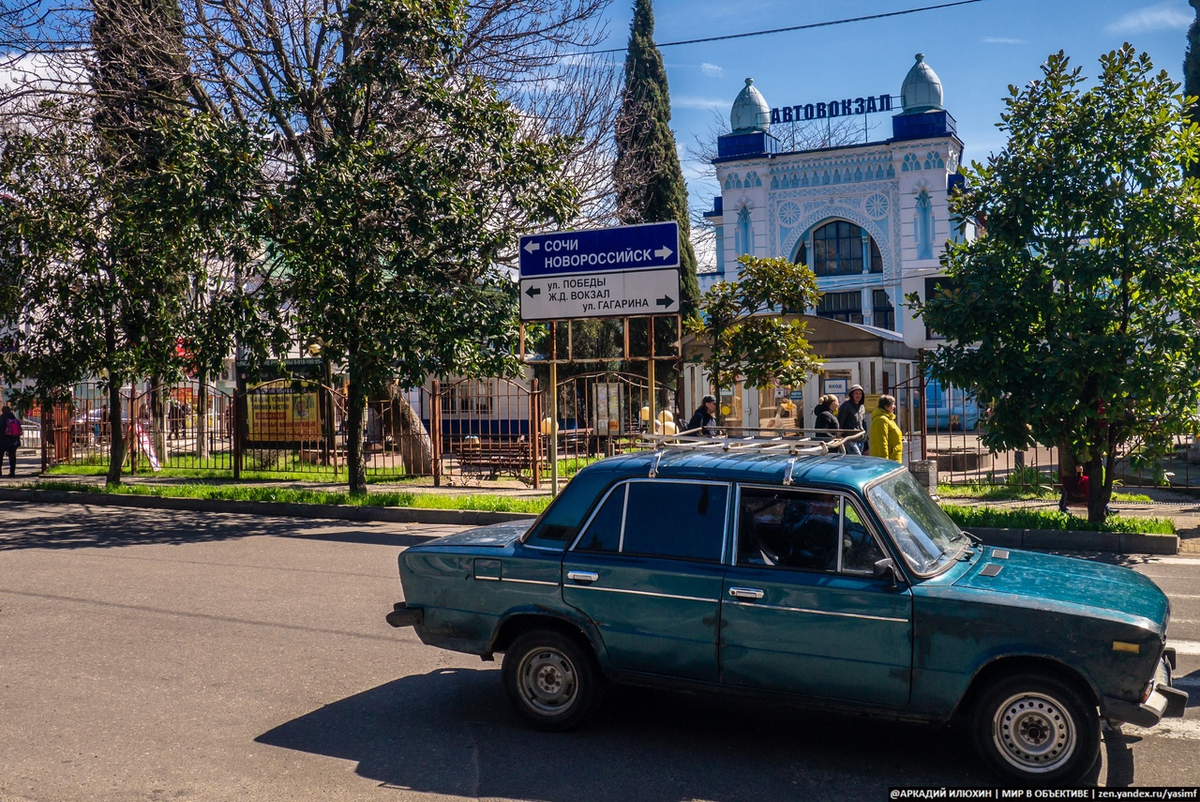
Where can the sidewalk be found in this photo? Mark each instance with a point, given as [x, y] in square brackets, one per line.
[1182, 508]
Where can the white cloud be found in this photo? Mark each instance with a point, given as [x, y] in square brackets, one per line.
[698, 103]
[999, 40]
[1161, 17]
[712, 70]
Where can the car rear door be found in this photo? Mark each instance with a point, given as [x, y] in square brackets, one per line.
[801, 611]
[647, 570]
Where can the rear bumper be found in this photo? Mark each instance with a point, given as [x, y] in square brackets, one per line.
[1163, 702]
[404, 616]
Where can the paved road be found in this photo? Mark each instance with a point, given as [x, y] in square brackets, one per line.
[161, 656]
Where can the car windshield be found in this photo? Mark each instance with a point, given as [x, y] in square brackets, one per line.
[925, 535]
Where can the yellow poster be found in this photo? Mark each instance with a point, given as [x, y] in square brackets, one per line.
[280, 414]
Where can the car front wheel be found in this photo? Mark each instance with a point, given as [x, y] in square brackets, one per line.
[1037, 729]
[551, 680]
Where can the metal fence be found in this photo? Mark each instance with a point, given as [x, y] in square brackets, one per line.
[946, 425]
[466, 431]
[486, 429]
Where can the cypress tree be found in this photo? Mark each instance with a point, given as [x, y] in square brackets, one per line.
[1191, 75]
[647, 173]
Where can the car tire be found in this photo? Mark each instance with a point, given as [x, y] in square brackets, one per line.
[1036, 729]
[553, 683]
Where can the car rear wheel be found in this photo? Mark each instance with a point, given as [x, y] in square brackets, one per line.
[551, 680]
[1037, 729]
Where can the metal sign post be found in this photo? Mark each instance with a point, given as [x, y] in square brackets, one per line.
[552, 410]
[621, 272]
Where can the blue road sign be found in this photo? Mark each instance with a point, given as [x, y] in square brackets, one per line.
[642, 247]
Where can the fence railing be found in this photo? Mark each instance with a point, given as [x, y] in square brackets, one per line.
[468, 431]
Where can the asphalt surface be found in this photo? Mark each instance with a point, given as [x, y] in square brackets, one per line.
[158, 655]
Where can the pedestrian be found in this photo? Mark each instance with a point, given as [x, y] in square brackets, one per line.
[705, 417]
[10, 438]
[852, 418]
[826, 415]
[173, 417]
[886, 438]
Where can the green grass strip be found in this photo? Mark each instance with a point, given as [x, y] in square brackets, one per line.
[290, 495]
[1014, 493]
[967, 517]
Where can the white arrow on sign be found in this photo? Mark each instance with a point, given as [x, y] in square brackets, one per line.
[530, 247]
[664, 252]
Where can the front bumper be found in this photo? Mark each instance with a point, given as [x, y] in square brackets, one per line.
[1163, 702]
[404, 616]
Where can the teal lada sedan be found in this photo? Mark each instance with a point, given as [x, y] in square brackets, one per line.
[814, 578]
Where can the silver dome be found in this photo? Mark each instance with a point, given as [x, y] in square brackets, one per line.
[750, 111]
[922, 90]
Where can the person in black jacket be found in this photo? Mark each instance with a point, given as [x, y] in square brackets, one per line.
[826, 414]
[852, 417]
[705, 417]
[8, 443]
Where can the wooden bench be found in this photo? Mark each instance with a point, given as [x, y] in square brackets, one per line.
[495, 457]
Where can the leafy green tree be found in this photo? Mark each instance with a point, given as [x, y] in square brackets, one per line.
[744, 338]
[647, 173]
[212, 176]
[97, 287]
[1077, 310]
[1191, 75]
[383, 232]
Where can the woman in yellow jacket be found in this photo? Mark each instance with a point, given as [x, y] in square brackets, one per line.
[885, 433]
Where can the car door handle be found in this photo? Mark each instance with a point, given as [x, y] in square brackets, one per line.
[583, 576]
[746, 593]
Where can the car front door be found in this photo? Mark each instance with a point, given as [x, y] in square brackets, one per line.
[801, 611]
[647, 570]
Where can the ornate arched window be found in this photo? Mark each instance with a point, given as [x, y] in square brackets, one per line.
[924, 226]
[840, 248]
[743, 235]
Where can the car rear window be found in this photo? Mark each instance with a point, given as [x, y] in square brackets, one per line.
[560, 523]
[603, 533]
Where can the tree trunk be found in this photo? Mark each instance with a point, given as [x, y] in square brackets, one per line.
[1099, 488]
[412, 438]
[116, 425]
[356, 405]
[158, 418]
[201, 411]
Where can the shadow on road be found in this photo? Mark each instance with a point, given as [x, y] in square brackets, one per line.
[452, 732]
[44, 526]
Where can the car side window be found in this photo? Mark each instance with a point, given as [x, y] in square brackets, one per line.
[603, 533]
[788, 529]
[685, 520]
[860, 551]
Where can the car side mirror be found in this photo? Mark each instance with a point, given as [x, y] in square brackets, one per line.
[886, 569]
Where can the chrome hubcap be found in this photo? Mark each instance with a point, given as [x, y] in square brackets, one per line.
[1033, 732]
[548, 681]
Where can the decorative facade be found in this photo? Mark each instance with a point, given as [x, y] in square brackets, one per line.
[870, 219]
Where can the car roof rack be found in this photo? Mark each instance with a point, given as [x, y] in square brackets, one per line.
[795, 442]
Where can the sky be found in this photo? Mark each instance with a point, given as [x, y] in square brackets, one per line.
[977, 50]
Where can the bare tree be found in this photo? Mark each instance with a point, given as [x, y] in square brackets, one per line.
[275, 60]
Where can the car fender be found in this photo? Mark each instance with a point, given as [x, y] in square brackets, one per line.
[569, 617]
[1003, 660]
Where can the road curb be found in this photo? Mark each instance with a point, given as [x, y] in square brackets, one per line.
[274, 508]
[1034, 539]
[1077, 540]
